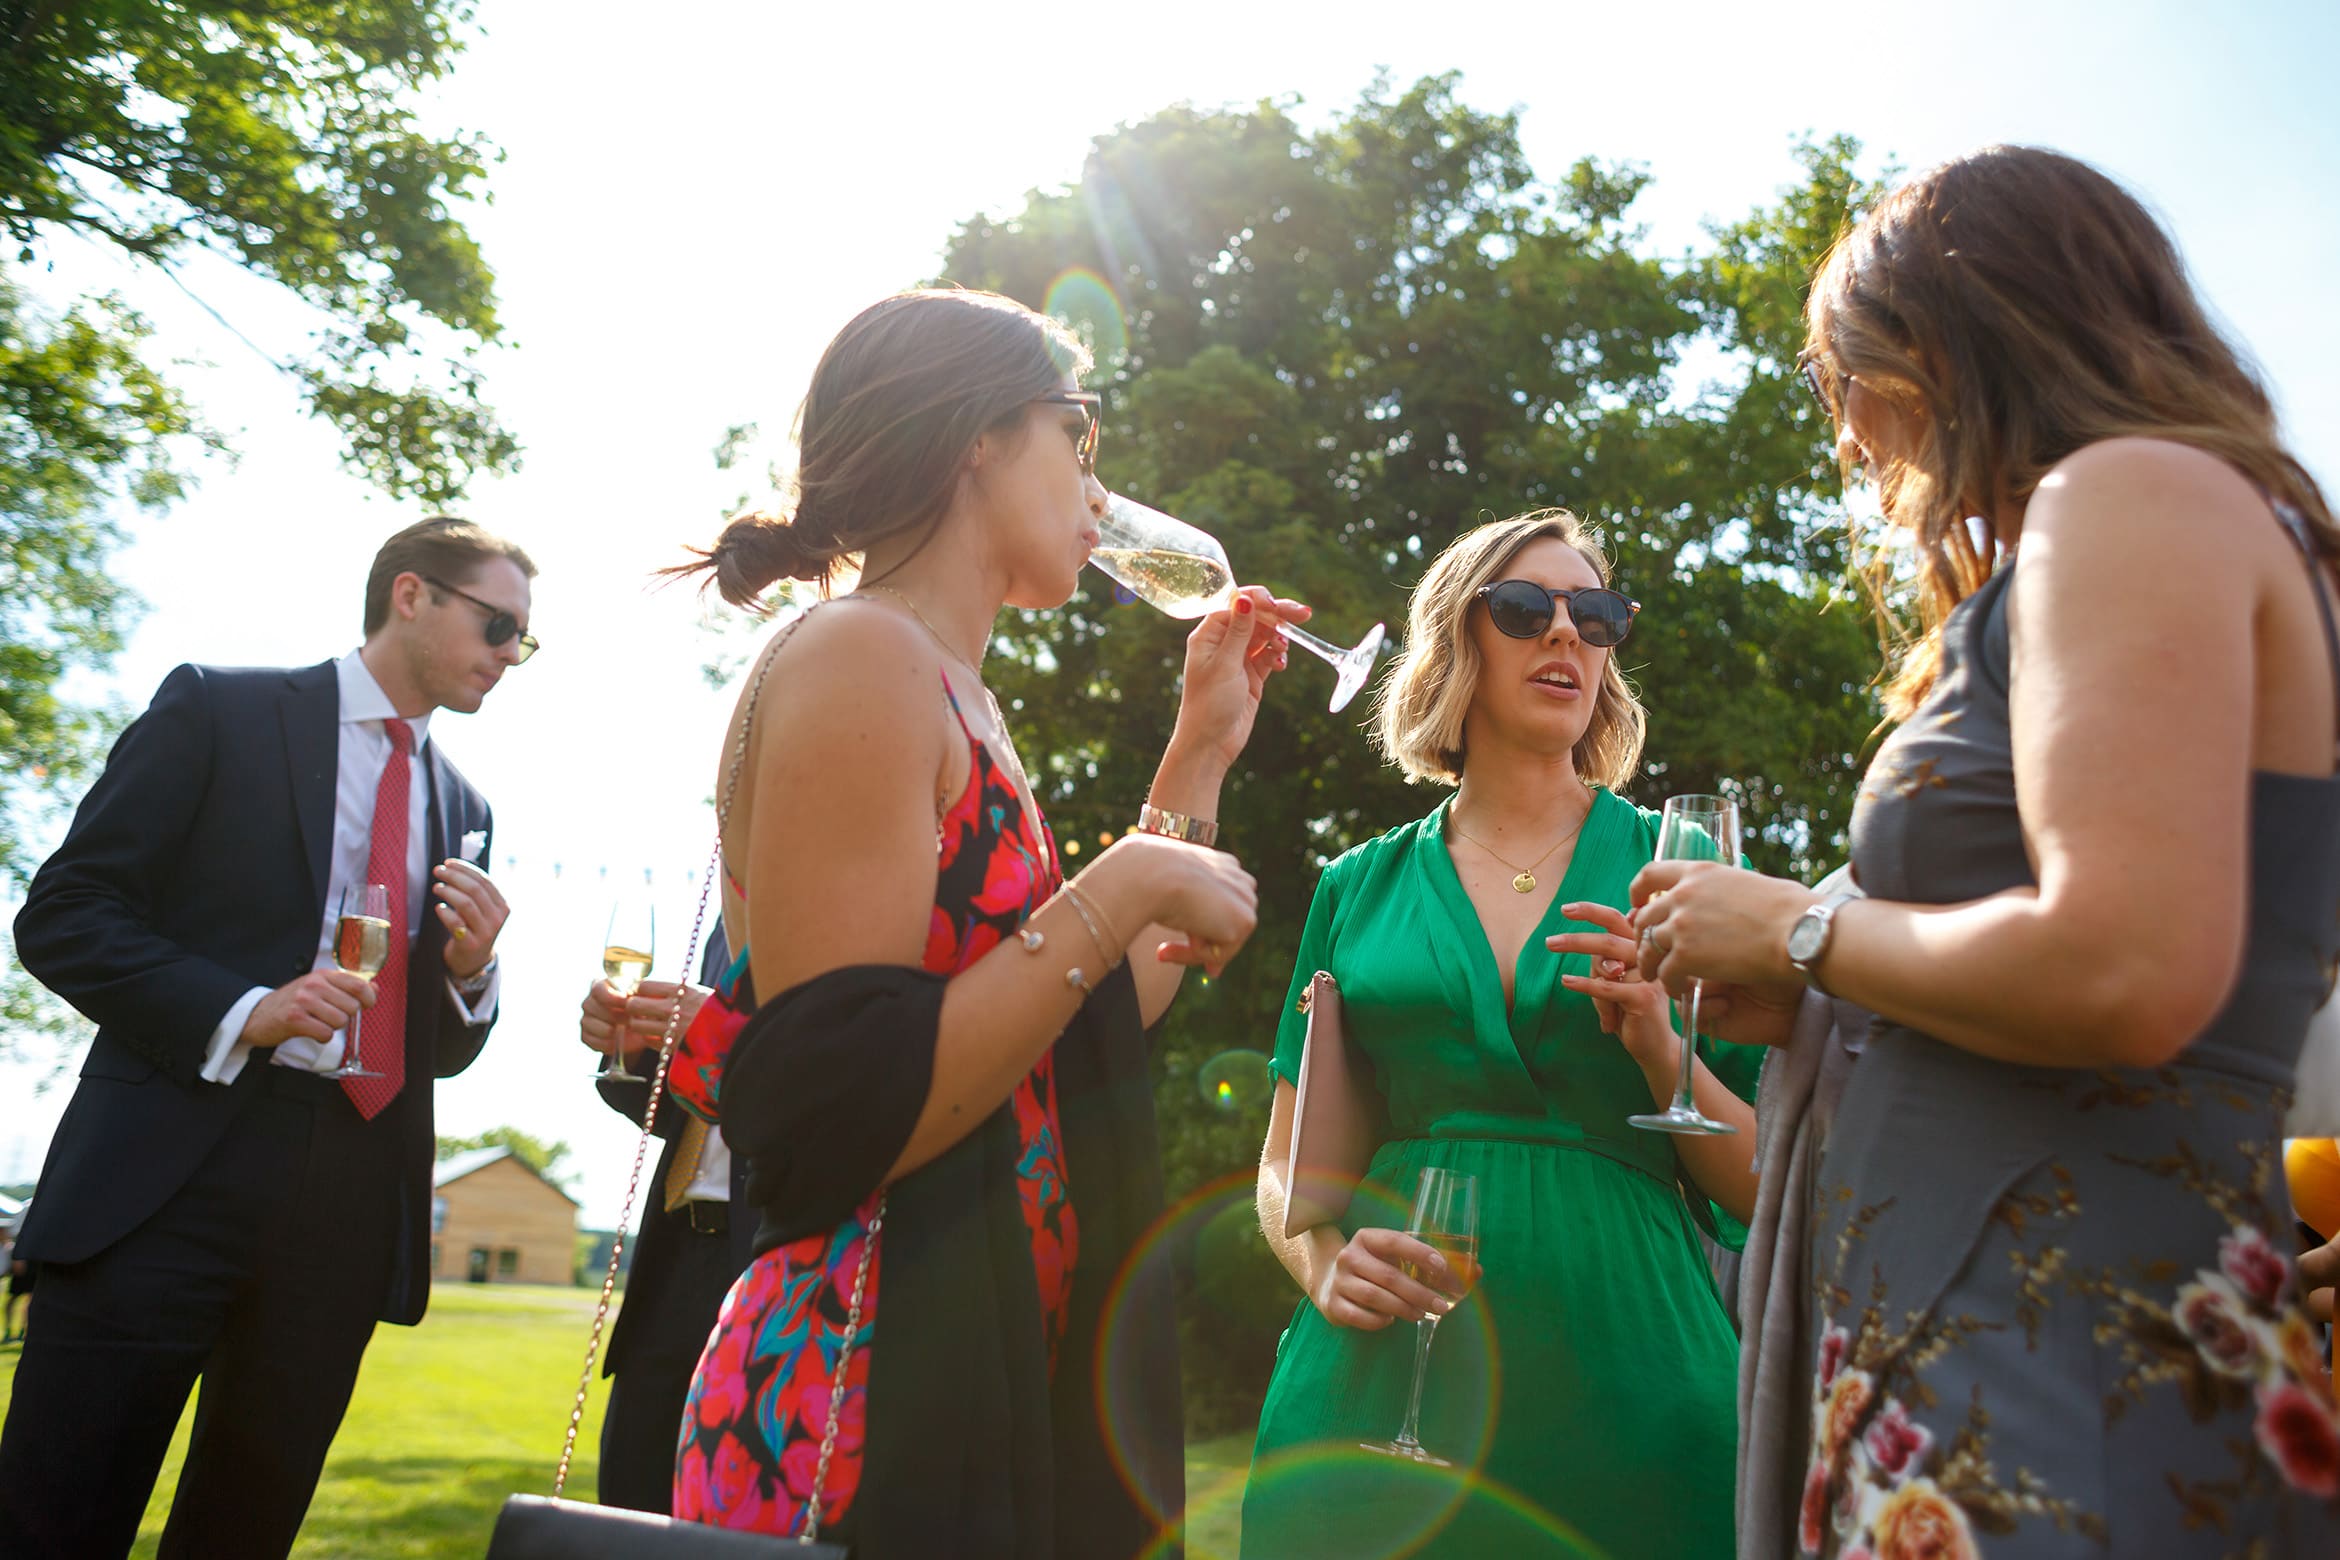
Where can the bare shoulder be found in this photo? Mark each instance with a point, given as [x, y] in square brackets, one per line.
[2120, 494]
[846, 653]
[846, 685]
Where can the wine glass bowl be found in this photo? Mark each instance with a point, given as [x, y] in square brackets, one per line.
[1180, 570]
[361, 945]
[1693, 828]
[627, 951]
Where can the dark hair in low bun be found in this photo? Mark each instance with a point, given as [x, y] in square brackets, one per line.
[754, 550]
[899, 398]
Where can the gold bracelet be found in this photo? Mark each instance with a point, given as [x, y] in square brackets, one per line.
[1177, 825]
[1104, 949]
[1110, 947]
[1078, 980]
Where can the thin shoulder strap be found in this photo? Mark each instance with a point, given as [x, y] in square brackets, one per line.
[2319, 582]
[957, 714]
[747, 719]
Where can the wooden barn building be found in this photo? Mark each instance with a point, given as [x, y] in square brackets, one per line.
[495, 1221]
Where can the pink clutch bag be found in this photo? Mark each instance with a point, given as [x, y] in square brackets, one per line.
[1336, 1122]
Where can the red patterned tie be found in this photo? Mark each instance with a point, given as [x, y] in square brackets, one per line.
[384, 1050]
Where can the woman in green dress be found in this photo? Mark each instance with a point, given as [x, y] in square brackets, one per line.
[1583, 1391]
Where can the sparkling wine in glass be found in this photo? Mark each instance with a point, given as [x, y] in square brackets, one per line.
[625, 960]
[1183, 571]
[361, 945]
[1446, 1219]
[1693, 828]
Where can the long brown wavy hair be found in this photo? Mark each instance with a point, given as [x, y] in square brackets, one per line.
[2017, 306]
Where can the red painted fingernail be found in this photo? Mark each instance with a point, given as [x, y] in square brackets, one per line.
[1243, 603]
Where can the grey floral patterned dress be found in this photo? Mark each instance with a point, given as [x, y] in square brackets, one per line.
[2055, 1310]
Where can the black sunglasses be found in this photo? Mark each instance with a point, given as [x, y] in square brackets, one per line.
[1524, 610]
[501, 625]
[1092, 405]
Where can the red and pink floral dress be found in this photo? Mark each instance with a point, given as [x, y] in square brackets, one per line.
[751, 1430]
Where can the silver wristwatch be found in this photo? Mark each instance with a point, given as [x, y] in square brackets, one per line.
[1808, 939]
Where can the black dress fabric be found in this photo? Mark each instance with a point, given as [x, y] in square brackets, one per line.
[972, 1450]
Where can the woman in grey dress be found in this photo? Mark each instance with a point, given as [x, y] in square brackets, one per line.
[2054, 1310]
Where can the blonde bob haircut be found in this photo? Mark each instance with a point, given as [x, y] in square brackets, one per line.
[1419, 707]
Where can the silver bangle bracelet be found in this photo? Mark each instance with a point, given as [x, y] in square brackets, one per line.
[1177, 825]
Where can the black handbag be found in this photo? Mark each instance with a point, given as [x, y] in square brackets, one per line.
[536, 1527]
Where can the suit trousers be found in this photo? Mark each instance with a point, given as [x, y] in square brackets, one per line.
[667, 1332]
[262, 1276]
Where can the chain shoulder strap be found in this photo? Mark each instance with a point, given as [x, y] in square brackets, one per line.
[658, 1094]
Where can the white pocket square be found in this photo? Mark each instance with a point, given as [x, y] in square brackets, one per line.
[474, 842]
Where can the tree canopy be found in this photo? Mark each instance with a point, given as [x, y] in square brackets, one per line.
[284, 140]
[1338, 348]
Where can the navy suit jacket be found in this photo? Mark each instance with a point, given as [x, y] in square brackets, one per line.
[194, 870]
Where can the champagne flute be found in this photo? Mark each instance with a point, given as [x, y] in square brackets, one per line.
[1446, 1219]
[1184, 572]
[625, 959]
[1693, 828]
[361, 945]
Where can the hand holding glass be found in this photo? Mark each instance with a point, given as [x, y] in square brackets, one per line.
[361, 945]
[1446, 1219]
[1184, 572]
[625, 960]
[1693, 828]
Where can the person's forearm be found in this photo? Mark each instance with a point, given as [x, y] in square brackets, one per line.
[1722, 1166]
[2012, 979]
[1002, 1013]
[1187, 782]
[1306, 1255]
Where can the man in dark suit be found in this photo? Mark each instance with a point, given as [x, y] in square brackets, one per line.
[219, 1202]
[697, 1236]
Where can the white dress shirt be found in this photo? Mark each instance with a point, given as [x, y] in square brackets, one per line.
[711, 1177]
[364, 753]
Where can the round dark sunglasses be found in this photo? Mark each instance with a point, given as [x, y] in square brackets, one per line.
[1523, 609]
[500, 625]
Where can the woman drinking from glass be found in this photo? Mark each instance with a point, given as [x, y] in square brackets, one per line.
[929, 1047]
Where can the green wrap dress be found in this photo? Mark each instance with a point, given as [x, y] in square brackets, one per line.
[1585, 1392]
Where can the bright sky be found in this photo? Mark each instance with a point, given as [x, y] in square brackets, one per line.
[692, 204]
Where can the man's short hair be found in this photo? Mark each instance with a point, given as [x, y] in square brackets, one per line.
[443, 547]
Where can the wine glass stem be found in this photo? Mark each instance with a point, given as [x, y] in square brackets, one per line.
[1682, 1100]
[1425, 1330]
[1313, 645]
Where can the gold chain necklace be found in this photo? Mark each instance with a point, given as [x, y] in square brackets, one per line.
[975, 666]
[1025, 796]
[1525, 883]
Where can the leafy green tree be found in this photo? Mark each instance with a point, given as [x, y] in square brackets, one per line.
[545, 1158]
[1342, 349]
[84, 424]
[281, 140]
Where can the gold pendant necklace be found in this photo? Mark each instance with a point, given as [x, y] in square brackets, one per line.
[1525, 882]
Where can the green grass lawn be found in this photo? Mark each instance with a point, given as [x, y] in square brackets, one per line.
[452, 1416]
